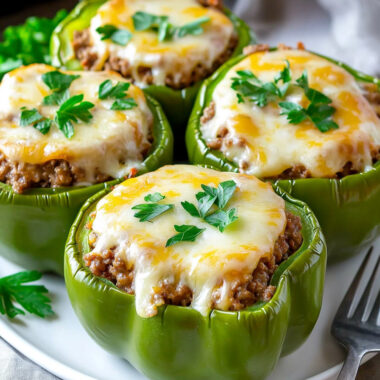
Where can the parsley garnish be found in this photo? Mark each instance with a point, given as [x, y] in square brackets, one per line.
[166, 31]
[155, 197]
[59, 84]
[149, 211]
[185, 233]
[118, 92]
[221, 219]
[319, 111]
[118, 36]
[248, 86]
[70, 111]
[33, 117]
[31, 298]
[219, 196]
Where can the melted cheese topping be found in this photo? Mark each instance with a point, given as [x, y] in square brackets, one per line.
[110, 143]
[269, 144]
[177, 58]
[200, 265]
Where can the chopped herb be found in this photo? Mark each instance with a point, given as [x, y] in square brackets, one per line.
[56, 98]
[57, 81]
[29, 117]
[118, 36]
[221, 219]
[34, 118]
[191, 209]
[149, 211]
[166, 31]
[118, 92]
[219, 196]
[32, 298]
[185, 233]
[193, 28]
[70, 111]
[155, 197]
[43, 126]
[123, 104]
[319, 111]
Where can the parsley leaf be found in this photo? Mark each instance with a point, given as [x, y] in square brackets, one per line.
[33, 117]
[225, 191]
[221, 219]
[191, 209]
[118, 36]
[31, 298]
[194, 28]
[29, 117]
[166, 31]
[313, 95]
[149, 211]
[155, 197]
[185, 233]
[70, 111]
[107, 90]
[285, 75]
[58, 81]
[118, 92]
[295, 113]
[56, 98]
[123, 104]
[43, 126]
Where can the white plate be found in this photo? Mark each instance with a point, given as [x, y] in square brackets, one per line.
[62, 347]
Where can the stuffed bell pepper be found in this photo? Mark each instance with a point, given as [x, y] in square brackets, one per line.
[192, 273]
[63, 137]
[304, 121]
[167, 46]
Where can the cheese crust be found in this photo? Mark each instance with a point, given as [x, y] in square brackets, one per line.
[213, 260]
[146, 60]
[262, 142]
[111, 143]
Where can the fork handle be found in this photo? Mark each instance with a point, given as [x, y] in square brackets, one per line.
[351, 365]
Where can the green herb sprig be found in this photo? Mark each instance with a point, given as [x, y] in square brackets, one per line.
[220, 197]
[167, 31]
[118, 92]
[32, 298]
[148, 211]
[70, 111]
[33, 117]
[319, 111]
[249, 87]
[116, 35]
[59, 83]
[185, 233]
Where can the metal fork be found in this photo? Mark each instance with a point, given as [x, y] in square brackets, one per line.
[357, 334]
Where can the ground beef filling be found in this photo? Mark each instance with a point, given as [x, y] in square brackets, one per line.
[245, 290]
[88, 58]
[223, 139]
[53, 173]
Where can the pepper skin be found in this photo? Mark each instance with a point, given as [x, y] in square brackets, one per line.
[180, 343]
[34, 225]
[347, 208]
[177, 104]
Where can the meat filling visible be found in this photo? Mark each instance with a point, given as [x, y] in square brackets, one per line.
[84, 53]
[245, 290]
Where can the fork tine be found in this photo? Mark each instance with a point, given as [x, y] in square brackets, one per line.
[360, 309]
[344, 307]
[372, 319]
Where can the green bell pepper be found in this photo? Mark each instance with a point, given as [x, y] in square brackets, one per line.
[180, 343]
[177, 104]
[34, 225]
[346, 208]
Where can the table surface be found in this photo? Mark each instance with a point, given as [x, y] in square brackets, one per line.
[14, 367]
